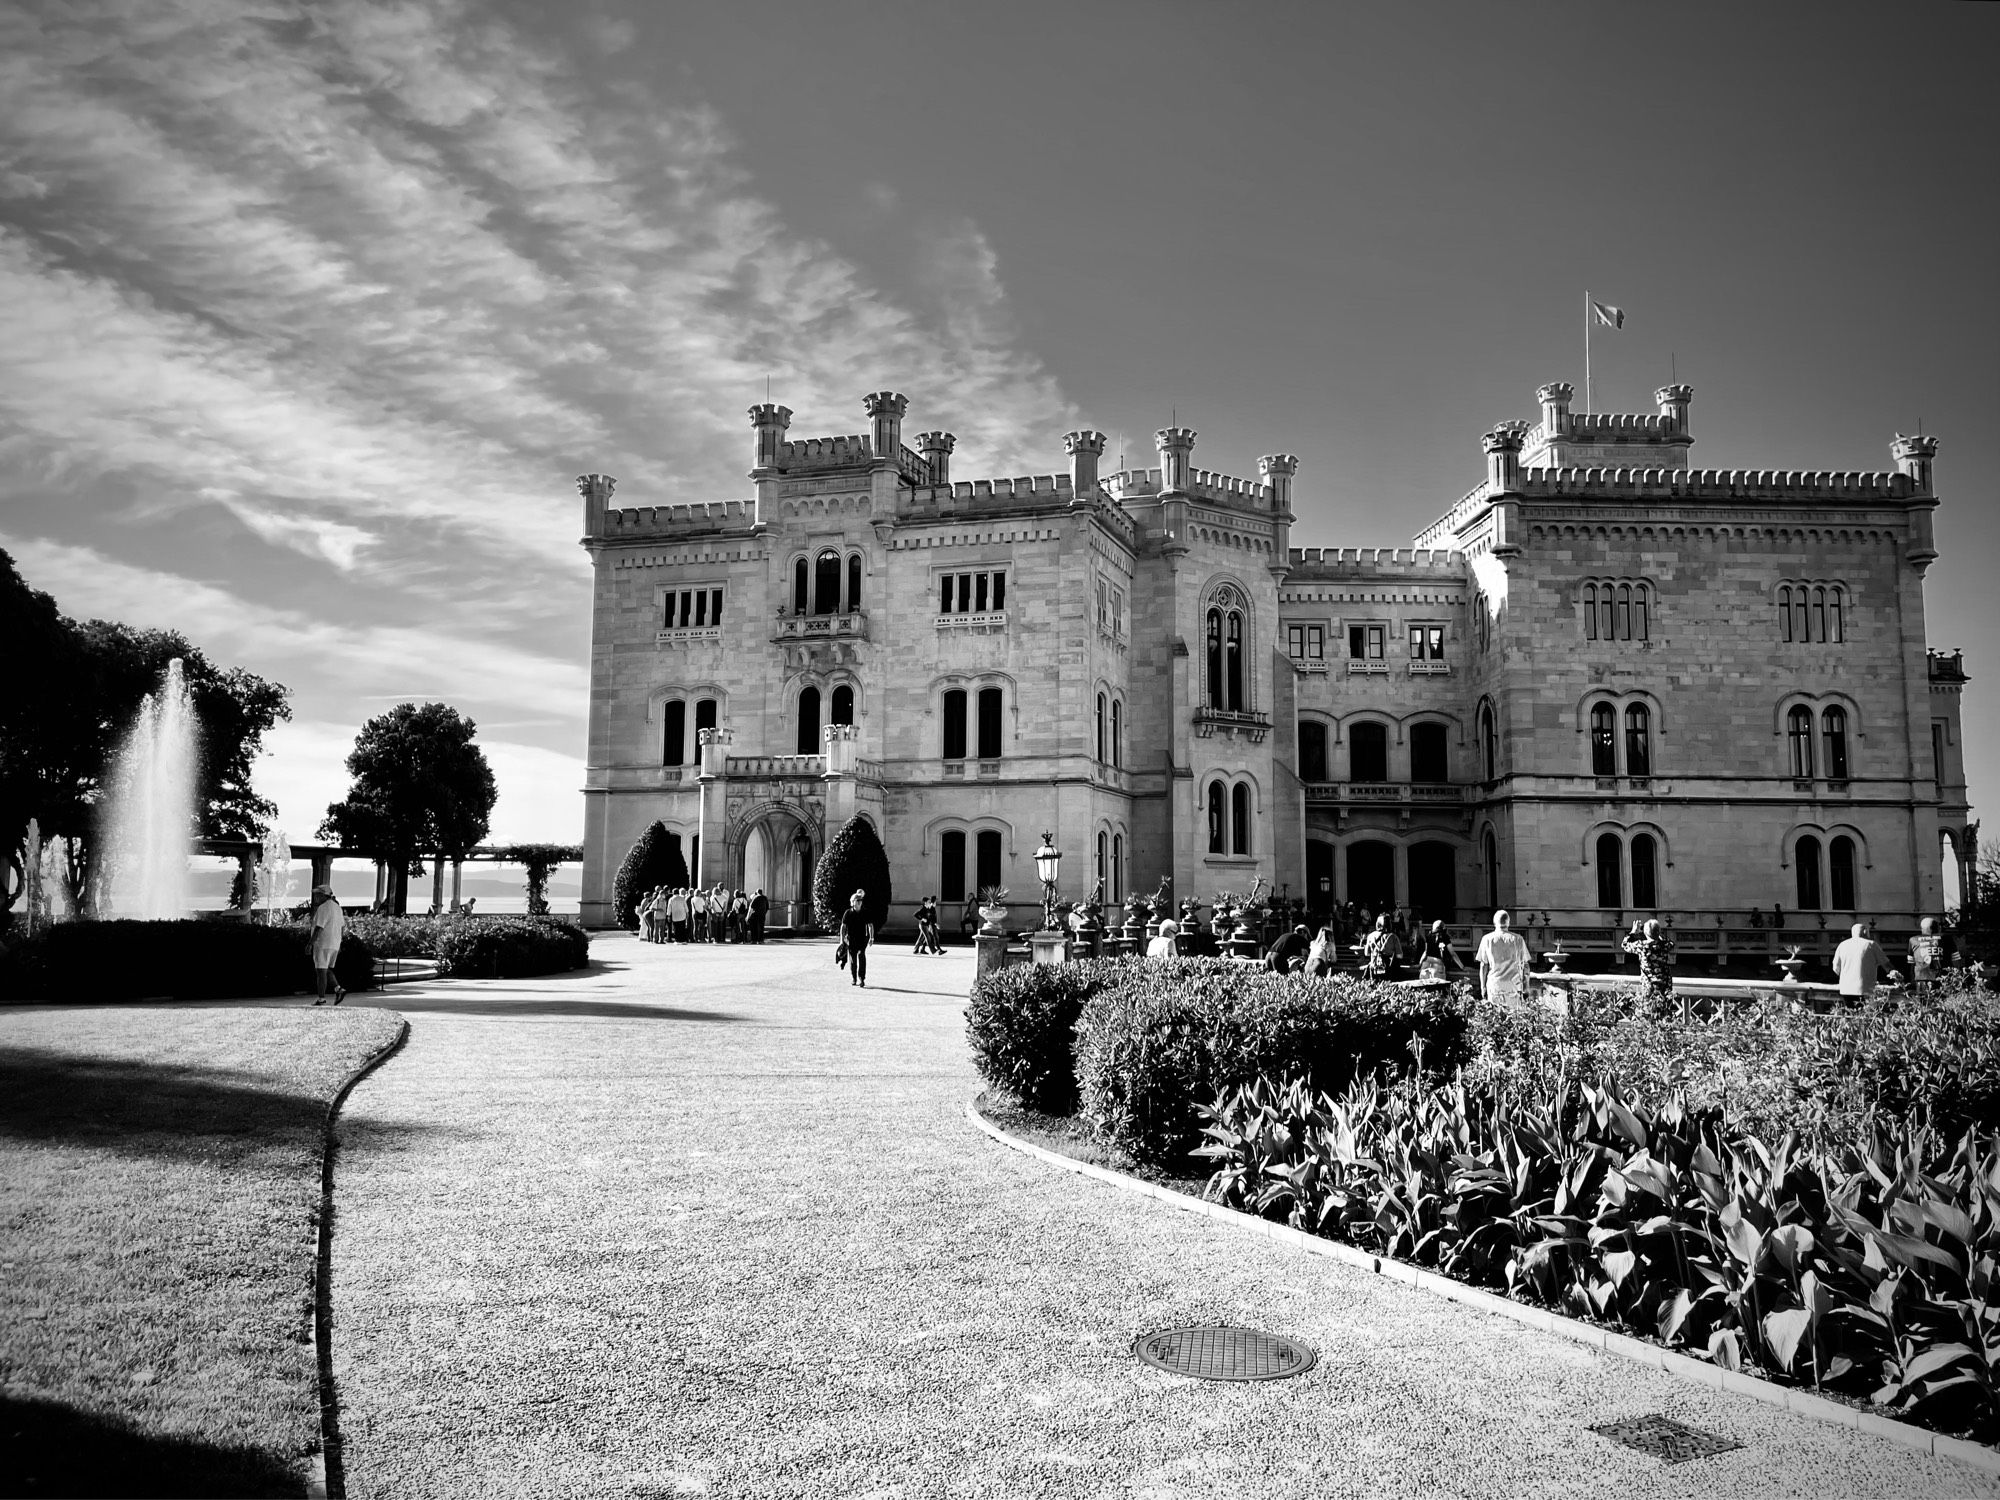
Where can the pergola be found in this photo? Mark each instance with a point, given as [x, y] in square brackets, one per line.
[246, 853]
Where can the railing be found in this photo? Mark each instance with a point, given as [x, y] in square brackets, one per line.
[1947, 666]
[852, 626]
[1252, 722]
[995, 619]
[691, 633]
[1308, 664]
[1365, 667]
[785, 766]
[1434, 668]
[1434, 794]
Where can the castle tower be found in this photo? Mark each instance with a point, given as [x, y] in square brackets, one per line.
[1913, 457]
[885, 410]
[936, 448]
[1276, 470]
[1176, 446]
[770, 422]
[1084, 450]
[596, 491]
[1673, 403]
[1555, 398]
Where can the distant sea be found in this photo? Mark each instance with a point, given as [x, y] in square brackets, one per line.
[497, 888]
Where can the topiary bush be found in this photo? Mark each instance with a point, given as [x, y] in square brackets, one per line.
[653, 860]
[854, 860]
[98, 962]
[509, 947]
[1161, 1041]
[1020, 1022]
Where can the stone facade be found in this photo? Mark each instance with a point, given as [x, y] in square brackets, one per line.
[1602, 685]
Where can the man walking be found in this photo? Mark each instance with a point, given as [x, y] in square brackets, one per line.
[856, 931]
[1857, 963]
[1503, 960]
[760, 907]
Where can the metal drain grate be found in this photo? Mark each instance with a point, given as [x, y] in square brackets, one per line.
[1219, 1352]
[1664, 1438]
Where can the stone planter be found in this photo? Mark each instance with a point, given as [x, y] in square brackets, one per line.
[1555, 958]
[1793, 968]
[992, 920]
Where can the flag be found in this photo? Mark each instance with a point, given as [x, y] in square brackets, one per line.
[1610, 317]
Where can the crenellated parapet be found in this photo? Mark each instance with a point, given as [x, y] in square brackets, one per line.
[1716, 484]
[1312, 564]
[698, 519]
[839, 452]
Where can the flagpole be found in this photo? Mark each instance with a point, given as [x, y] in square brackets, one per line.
[1588, 402]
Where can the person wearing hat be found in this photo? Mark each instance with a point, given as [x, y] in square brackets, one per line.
[328, 922]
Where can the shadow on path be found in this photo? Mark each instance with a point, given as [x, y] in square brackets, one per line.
[47, 1448]
[452, 1005]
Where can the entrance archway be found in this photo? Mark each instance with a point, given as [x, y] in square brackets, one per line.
[1371, 875]
[1434, 881]
[777, 858]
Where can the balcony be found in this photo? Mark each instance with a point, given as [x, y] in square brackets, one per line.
[852, 626]
[1430, 669]
[1315, 665]
[688, 637]
[1947, 666]
[1367, 667]
[777, 767]
[983, 623]
[1380, 793]
[1249, 723]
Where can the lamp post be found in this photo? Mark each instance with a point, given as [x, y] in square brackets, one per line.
[1048, 862]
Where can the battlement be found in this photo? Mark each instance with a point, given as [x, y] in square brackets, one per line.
[680, 520]
[1372, 562]
[1202, 484]
[1716, 484]
[826, 452]
[975, 491]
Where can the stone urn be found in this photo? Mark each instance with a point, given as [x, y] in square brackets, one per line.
[992, 919]
[1793, 968]
[1555, 958]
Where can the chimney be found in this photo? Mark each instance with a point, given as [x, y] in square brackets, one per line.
[1175, 444]
[1673, 402]
[1555, 399]
[770, 422]
[885, 409]
[1278, 469]
[1503, 457]
[936, 448]
[596, 491]
[1913, 457]
[1084, 450]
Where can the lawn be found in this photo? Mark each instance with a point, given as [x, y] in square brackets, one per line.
[158, 1232]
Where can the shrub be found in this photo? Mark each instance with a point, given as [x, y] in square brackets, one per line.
[654, 860]
[509, 947]
[854, 860]
[1151, 1048]
[1020, 1021]
[390, 936]
[186, 960]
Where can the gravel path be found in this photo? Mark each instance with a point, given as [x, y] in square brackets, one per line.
[709, 1221]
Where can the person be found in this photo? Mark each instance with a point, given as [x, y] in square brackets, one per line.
[1324, 951]
[1859, 962]
[328, 922]
[1288, 954]
[927, 927]
[1162, 945]
[1777, 915]
[739, 917]
[1436, 956]
[856, 932]
[1502, 959]
[1926, 955]
[1655, 952]
[1381, 950]
[677, 915]
[760, 908]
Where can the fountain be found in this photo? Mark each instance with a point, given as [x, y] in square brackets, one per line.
[149, 819]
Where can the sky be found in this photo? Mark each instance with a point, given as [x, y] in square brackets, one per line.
[312, 312]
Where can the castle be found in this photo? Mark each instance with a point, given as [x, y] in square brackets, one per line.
[1601, 685]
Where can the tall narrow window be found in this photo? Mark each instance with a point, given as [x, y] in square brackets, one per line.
[809, 721]
[826, 584]
[1836, 626]
[1799, 735]
[954, 724]
[1215, 699]
[1645, 862]
[1429, 753]
[1590, 611]
[1603, 740]
[1819, 613]
[1368, 753]
[1639, 613]
[1840, 865]
[1117, 867]
[987, 846]
[965, 593]
[1489, 850]
[944, 600]
[1117, 732]
[800, 602]
[1489, 742]
[999, 591]
[1218, 818]
[1833, 723]
[1606, 626]
[704, 717]
[1610, 854]
[1624, 611]
[1801, 621]
[1312, 751]
[854, 582]
[1103, 726]
[1103, 854]
[1784, 612]
[1103, 606]
[1638, 740]
[673, 751]
[979, 593]
[1233, 662]
[989, 723]
[1239, 818]
[1805, 856]
[843, 705]
[1937, 753]
[951, 866]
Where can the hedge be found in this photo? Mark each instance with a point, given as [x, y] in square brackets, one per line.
[509, 947]
[96, 962]
[1019, 1022]
[854, 861]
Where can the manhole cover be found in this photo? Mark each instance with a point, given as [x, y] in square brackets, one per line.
[1223, 1353]
[1663, 1437]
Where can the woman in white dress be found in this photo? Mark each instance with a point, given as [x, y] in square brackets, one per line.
[328, 922]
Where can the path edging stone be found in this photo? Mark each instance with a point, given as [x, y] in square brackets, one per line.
[327, 1479]
[1699, 1372]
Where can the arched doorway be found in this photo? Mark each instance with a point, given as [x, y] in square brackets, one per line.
[1371, 875]
[1434, 881]
[777, 859]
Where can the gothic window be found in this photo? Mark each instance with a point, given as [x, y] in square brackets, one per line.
[1239, 818]
[854, 581]
[1610, 854]
[1833, 740]
[1799, 736]
[1102, 725]
[1644, 850]
[704, 717]
[1117, 732]
[1812, 612]
[843, 705]
[1836, 627]
[1312, 751]
[809, 721]
[1805, 856]
[1603, 740]
[1590, 611]
[1840, 865]
[1368, 753]
[1218, 816]
[951, 866]
[1638, 740]
[987, 847]
[1215, 658]
[1233, 662]
[1117, 867]
[1489, 742]
[1103, 618]
[989, 723]
[800, 602]
[1098, 872]
[1489, 850]
[673, 751]
[826, 584]
[1429, 753]
[954, 724]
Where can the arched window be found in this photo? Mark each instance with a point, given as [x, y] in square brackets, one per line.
[1215, 698]
[1603, 740]
[704, 718]
[1833, 723]
[1806, 857]
[1117, 867]
[854, 581]
[1610, 854]
[1840, 862]
[1233, 661]
[1644, 850]
[987, 847]
[1489, 851]
[826, 584]
[1430, 760]
[800, 600]
[809, 721]
[1312, 751]
[1624, 611]
[1218, 817]
[989, 723]
[1101, 717]
[1489, 742]
[1103, 852]
[1835, 625]
[843, 705]
[1799, 735]
[951, 866]
[954, 724]
[1117, 732]
[673, 751]
[1784, 612]
[1606, 626]
[1819, 613]
[1801, 623]
[1638, 740]
[1639, 612]
[1239, 818]
[1367, 753]
[1590, 611]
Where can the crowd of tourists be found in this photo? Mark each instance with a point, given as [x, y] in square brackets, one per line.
[693, 914]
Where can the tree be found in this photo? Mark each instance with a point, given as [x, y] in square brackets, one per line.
[854, 861]
[421, 786]
[654, 860]
[540, 860]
